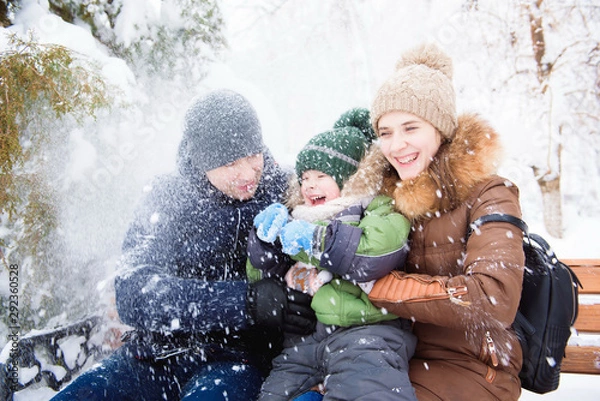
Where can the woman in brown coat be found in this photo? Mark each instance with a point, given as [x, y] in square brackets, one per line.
[461, 291]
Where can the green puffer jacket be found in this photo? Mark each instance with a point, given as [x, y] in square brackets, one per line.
[362, 240]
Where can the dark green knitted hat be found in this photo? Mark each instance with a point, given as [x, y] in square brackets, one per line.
[337, 152]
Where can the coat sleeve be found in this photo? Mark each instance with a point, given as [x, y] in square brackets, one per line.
[266, 257]
[492, 274]
[150, 299]
[370, 248]
[152, 295]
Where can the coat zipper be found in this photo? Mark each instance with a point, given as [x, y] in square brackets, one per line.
[491, 347]
[235, 245]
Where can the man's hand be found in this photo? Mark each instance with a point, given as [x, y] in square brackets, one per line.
[272, 304]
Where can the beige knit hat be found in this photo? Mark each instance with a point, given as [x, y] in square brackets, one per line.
[421, 85]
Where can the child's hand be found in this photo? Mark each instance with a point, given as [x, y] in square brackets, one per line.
[307, 279]
[297, 236]
[270, 221]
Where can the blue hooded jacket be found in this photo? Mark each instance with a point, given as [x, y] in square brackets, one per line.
[183, 265]
[182, 271]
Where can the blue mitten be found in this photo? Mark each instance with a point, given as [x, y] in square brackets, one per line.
[269, 222]
[296, 236]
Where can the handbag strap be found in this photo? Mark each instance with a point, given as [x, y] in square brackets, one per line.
[499, 218]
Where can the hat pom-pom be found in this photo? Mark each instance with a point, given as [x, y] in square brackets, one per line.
[430, 55]
[358, 118]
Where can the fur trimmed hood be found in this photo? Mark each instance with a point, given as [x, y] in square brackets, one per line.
[471, 157]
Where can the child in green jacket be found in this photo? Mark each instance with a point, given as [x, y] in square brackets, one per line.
[331, 248]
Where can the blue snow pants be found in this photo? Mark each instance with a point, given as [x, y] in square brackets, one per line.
[186, 377]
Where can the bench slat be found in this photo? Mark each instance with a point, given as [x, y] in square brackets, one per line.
[581, 262]
[588, 318]
[580, 359]
[589, 277]
[585, 359]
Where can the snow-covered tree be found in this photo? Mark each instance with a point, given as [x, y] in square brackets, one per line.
[174, 38]
[44, 89]
[563, 37]
[541, 74]
[80, 184]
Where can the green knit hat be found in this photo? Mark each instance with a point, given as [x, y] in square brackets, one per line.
[360, 118]
[337, 152]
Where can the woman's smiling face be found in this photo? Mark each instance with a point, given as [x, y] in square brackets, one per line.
[408, 142]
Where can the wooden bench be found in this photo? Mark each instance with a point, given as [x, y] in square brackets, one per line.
[583, 353]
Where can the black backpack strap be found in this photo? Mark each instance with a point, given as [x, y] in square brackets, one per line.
[499, 218]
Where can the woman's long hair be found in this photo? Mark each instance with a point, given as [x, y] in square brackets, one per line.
[443, 175]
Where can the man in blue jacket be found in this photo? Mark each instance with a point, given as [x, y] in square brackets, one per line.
[182, 282]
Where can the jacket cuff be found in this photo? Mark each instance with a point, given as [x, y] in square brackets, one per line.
[318, 241]
[399, 287]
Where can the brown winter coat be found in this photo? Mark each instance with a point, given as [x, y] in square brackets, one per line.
[466, 348]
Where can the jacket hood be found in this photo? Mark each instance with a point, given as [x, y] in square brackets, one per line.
[471, 157]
